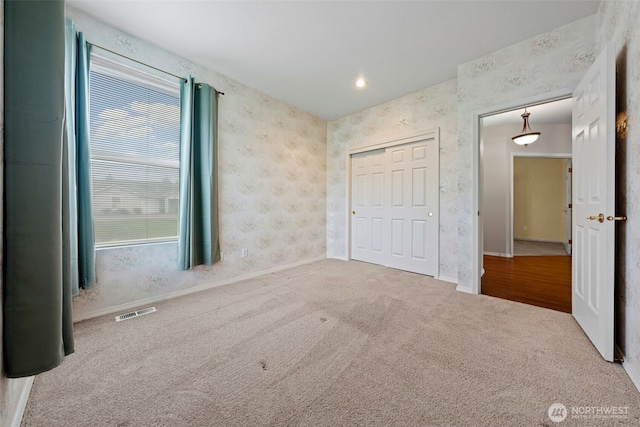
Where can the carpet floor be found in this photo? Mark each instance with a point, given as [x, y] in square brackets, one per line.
[332, 343]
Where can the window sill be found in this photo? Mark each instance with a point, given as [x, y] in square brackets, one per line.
[122, 245]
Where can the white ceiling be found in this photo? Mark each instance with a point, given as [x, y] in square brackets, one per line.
[309, 53]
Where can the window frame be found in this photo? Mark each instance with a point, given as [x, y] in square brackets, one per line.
[113, 65]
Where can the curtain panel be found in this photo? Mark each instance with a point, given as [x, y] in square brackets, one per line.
[198, 223]
[37, 325]
[77, 207]
[49, 243]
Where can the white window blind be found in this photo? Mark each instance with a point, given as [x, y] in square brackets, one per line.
[135, 139]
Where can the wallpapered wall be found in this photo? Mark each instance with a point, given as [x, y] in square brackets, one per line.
[272, 188]
[413, 114]
[542, 64]
[618, 23]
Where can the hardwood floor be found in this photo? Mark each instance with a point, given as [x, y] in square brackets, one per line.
[544, 281]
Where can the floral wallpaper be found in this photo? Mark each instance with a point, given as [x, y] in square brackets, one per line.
[618, 23]
[420, 112]
[272, 162]
[542, 64]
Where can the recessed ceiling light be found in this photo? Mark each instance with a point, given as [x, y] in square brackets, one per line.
[361, 83]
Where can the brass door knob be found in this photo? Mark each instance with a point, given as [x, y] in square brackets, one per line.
[600, 217]
[353, 212]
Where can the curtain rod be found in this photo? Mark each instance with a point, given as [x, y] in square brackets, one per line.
[146, 65]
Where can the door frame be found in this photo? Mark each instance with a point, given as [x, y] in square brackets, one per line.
[510, 228]
[476, 173]
[568, 170]
[363, 148]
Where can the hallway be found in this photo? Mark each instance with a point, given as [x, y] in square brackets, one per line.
[544, 281]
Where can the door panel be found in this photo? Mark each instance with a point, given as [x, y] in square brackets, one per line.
[377, 231]
[594, 187]
[377, 180]
[397, 237]
[418, 163]
[360, 231]
[397, 188]
[419, 241]
[419, 187]
[367, 200]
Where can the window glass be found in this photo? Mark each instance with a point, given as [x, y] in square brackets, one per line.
[135, 135]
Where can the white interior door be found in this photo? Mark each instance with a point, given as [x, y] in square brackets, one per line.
[594, 191]
[413, 207]
[395, 206]
[368, 210]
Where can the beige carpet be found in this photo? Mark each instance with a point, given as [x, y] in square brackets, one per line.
[331, 343]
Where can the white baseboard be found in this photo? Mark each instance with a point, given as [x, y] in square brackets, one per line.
[628, 368]
[497, 254]
[341, 258]
[146, 301]
[448, 279]
[539, 240]
[633, 374]
[23, 388]
[465, 290]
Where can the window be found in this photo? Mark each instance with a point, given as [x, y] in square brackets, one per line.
[116, 202]
[135, 139]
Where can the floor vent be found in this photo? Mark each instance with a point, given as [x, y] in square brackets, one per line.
[135, 314]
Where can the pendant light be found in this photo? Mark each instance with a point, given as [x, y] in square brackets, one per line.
[526, 136]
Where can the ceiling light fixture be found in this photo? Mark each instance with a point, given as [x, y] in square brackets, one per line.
[526, 136]
[361, 83]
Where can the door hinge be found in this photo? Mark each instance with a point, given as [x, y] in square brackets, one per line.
[570, 206]
[570, 170]
[569, 241]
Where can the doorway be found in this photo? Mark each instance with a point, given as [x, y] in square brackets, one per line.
[526, 207]
[541, 205]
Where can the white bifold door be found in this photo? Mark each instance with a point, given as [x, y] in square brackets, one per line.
[394, 202]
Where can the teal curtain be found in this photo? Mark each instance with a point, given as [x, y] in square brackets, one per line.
[69, 188]
[78, 229]
[198, 234]
[37, 326]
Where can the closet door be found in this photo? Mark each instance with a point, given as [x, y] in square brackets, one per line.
[395, 207]
[367, 215]
[412, 207]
